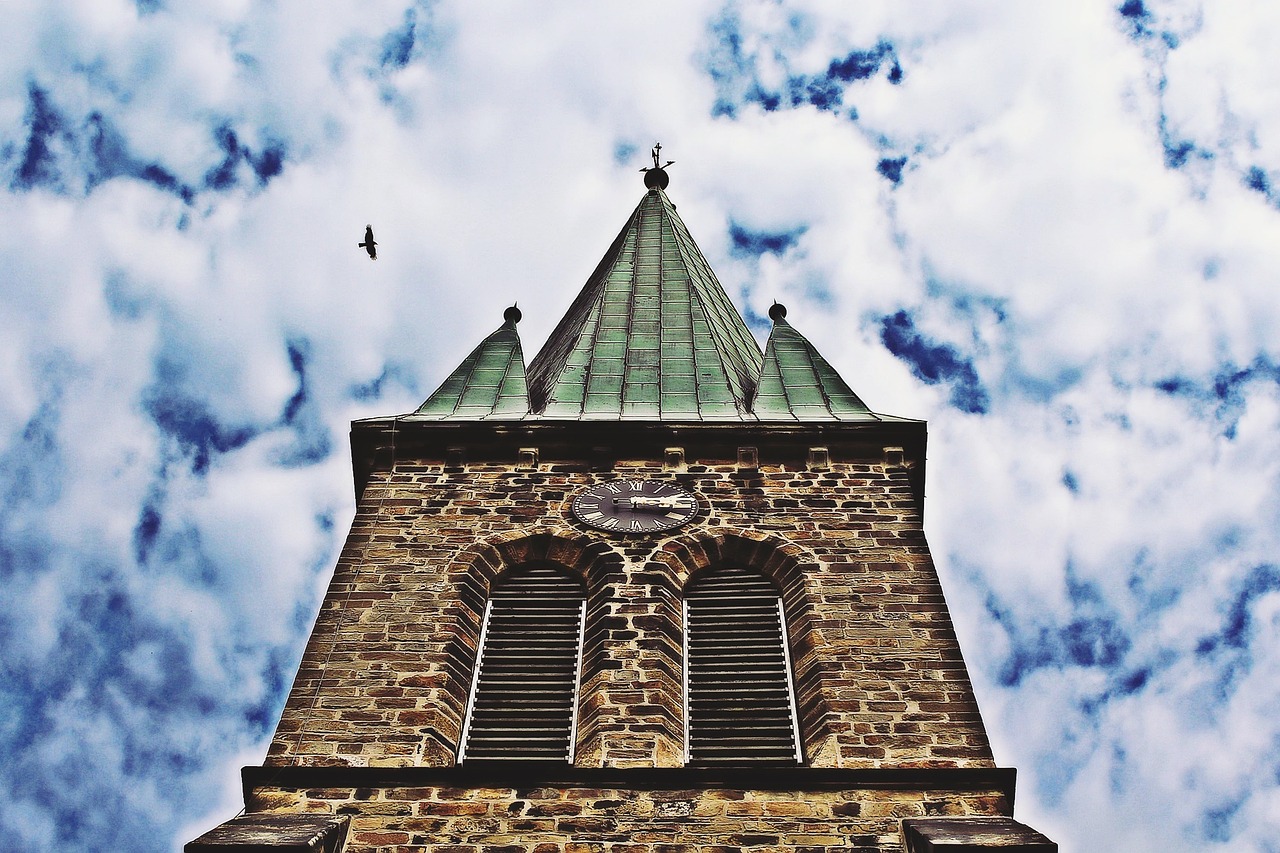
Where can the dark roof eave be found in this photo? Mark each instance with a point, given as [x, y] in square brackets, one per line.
[377, 443]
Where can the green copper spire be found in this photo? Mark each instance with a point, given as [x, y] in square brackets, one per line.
[652, 335]
[796, 383]
[490, 383]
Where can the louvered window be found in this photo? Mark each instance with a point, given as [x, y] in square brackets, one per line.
[526, 681]
[740, 706]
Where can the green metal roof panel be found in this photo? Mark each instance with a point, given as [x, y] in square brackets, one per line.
[490, 382]
[652, 335]
[797, 383]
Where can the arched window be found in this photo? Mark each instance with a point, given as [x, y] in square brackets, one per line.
[525, 688]
[739, 704]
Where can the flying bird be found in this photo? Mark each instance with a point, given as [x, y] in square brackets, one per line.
[368, 245]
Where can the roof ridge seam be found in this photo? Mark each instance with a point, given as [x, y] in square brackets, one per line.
[723, 347]
[542, 368]
[517, 351]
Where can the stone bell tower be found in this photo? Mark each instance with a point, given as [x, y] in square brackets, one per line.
[660, 590]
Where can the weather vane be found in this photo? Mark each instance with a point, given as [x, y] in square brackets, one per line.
[656, 176]
[657, 150]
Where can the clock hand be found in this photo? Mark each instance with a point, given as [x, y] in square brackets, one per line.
[648, 504]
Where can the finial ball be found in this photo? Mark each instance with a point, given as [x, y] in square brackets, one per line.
[656, 179]
[777, 311]
[512, 315]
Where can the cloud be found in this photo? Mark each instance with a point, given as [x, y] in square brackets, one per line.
[1050, 229]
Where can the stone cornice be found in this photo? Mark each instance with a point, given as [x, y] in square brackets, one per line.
[510, 774]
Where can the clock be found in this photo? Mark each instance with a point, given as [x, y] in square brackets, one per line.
[634, 506]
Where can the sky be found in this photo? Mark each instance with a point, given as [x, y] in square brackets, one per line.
[1052, 229]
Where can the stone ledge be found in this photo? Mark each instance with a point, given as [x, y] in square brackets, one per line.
[506, 774]
[973, 835]
[274, 833]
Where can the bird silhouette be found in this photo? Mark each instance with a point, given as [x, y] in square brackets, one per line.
[368, 245]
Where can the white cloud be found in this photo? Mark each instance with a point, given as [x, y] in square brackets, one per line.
[1104, 521]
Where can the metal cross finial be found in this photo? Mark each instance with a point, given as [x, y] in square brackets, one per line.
[655, 153]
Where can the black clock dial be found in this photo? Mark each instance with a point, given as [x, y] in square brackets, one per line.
[634, 506]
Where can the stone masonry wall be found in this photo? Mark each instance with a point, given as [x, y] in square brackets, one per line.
[587, 820]
[879, 676]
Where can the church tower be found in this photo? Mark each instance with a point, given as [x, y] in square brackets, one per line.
[659, 590]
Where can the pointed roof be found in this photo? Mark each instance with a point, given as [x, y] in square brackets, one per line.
[490, 383]
[652, 335]
[797, 383]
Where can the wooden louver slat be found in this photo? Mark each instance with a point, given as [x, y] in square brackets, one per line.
[522, 704]
[739, 698]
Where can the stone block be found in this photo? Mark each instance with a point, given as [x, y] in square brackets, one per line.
[819, 459]
[973, 835]
[267, 833]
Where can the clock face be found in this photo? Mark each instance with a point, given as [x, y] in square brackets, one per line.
[634, 506]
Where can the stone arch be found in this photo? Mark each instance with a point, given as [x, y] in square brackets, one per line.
[788, 566]
[471, 576]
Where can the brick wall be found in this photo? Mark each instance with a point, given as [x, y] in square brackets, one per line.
[879, 677]
[624, 820]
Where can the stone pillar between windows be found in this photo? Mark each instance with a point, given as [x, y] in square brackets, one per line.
[631, 691]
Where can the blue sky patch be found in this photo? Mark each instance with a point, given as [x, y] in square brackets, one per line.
[728, 67]
[1262, 580]
[864, 64]
[392, 373]
[147, 529]
[1095, 641]
[31, 466]
[891, 169]
[1217, 823]
[122, 300]
[1028, 654]
[1256, 179]
[298, 363]
[934, 363]
[114, 669]
[265, 164]
[1090, 636]
[110, 158]
[745, 242]
[1134, 681]
[311, 443]
[192, 427]
[1230, 646]
[755, 322]
[63, 155]
[827, 91]
[736, 77]
[1176, 152]
[624, 153]
[38, 167]
[397, 45]
[1138, 20]
[823, 93]
[1136, 17]
[1224, 395]
[223, 175]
